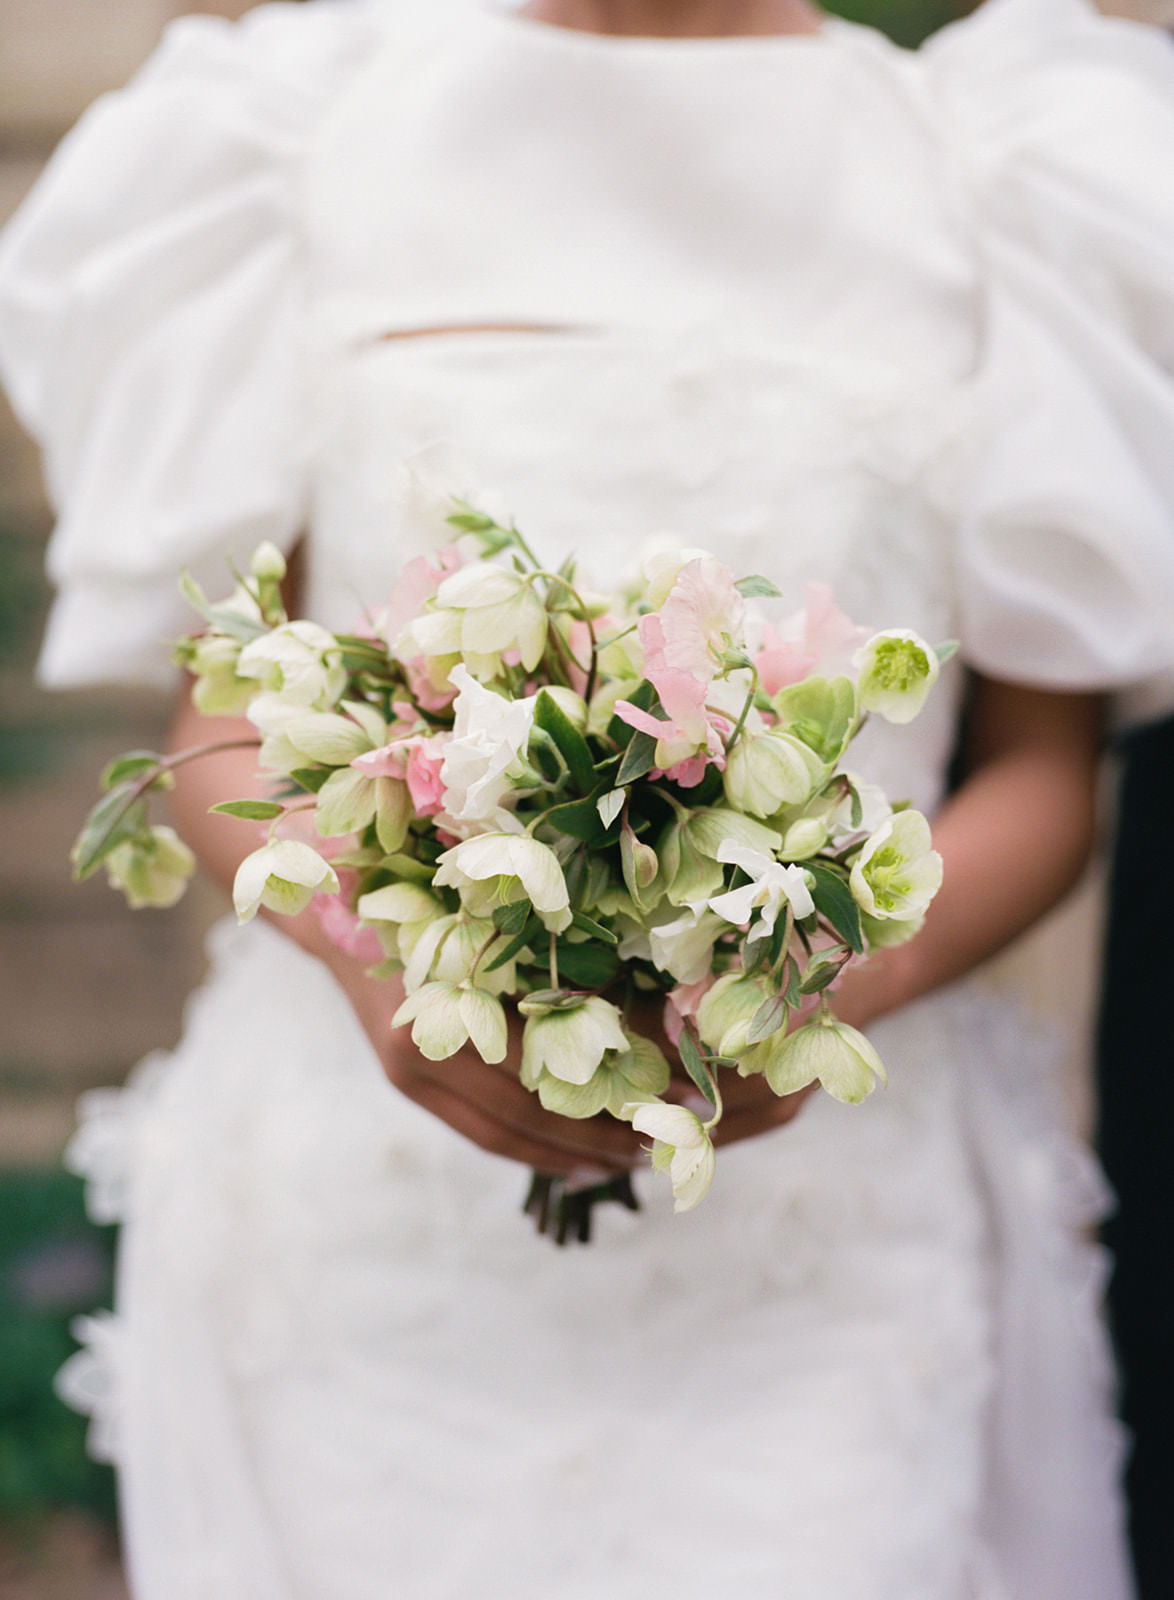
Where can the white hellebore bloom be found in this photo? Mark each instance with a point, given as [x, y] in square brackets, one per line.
[299, 661]
[684, 947]
[497, 869]
[772, 885]
[897, 874]
[841, 1058]
[284, 876]
[489, 738]
[445, 1015]
[682, 1147]
[570, 1043]
[500, 609]
[897, 670]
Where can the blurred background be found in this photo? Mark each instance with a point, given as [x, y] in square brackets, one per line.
[86, 988]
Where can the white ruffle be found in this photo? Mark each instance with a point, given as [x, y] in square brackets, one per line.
[153, 316]
[1063, 123]
[91, 1381]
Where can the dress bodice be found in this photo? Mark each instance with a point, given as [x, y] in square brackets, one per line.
[902, 321]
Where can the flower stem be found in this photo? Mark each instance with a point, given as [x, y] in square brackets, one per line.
[553, 959]
[745, 712]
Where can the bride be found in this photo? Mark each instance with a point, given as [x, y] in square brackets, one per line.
[753, 276]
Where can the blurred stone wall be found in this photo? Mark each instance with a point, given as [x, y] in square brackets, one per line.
[85, 986]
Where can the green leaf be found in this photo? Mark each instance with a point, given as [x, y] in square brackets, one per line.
[551, 717]
[757, 588]
[249, 810]
[769, 1018]
[311, 778]
[833, 900]
[639, 759]
[754, 953]
[223, 618]
[511, 919]
[791, 992]
[132, 765]
[579, 818]
[823, 969]
[118, 816]
[595, 929]
[408, 867]
[517, 944]
[857, 816]
[589, 966]
[694, 1065]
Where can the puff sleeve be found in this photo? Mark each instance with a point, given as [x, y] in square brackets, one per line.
[1063, 499]
[153, 330]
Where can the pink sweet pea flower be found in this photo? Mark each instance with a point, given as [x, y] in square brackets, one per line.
[691, 737]
[682, 1003]
[343, 928]
[704, 613]
[820, 638]
[417, 583]
[415, 759]
[424, 782]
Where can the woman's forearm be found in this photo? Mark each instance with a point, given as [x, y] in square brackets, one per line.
[1013, 840]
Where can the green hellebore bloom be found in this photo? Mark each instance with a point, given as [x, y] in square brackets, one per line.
[897, 670]
[570, 1044]
[839, 1056]
[444, 1016]
[897, 874]
[151, 869]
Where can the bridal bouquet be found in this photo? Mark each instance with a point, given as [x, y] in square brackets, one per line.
[521, 788]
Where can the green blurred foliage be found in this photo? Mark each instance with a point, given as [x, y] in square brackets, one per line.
[907, 22]
[53, 1264]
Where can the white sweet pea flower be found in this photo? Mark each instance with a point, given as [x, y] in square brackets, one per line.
[661, 565]
[897, 670]
[489, 739]
[772, 885]
[570, 1043]
[499, 609]
[681, 1147]
[897, 873]
[842, 1059]
[299, 661]
[683, 947]
[497, 869]
[444, 1016]
[152, 869]
[284, 876]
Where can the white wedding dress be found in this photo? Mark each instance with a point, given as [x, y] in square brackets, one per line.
[904, 322]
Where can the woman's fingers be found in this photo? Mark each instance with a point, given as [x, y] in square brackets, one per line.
[507, 1118]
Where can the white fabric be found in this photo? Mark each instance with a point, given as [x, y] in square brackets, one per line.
[901, 322]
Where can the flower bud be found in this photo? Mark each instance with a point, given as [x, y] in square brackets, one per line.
[268, 563]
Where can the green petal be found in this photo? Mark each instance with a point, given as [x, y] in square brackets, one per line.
[575, 1099]
[346, 803]
[484, 1017]
[393, 812]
